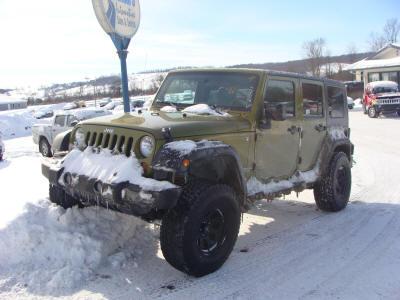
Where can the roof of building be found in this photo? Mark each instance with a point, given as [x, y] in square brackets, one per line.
[370, 63]
[5, 99]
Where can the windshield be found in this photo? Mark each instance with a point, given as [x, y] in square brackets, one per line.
[385, 89]
[234, 91]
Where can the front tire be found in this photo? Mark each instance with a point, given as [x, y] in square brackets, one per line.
[45, 148]
[198, 235]
[372, 113]
[332, 191]
[58, 196]
[398, 113]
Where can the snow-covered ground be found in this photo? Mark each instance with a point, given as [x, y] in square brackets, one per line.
[287, 249]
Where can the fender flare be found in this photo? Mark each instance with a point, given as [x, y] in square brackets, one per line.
[212, 161]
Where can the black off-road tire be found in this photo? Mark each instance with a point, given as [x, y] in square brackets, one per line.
[332, 191]
[198, 235]
[372, 113]
[398, 113]
[45, 148]
[58, 196]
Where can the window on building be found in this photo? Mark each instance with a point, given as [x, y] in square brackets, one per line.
[336, 101]
[373, 77]
[389, 76]
[280, 100]
[312, 100]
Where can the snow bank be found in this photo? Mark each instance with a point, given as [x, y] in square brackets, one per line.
[254, 186]
[110, 168]
[49, 249]
[202, 109]
[16, 123]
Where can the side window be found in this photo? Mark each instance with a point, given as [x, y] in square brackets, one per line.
[279, 100]
[60, 121]
[312, 100]
[71, 119]
[336, 101]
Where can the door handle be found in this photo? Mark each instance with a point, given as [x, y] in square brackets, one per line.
[320, 128]
[293, 129]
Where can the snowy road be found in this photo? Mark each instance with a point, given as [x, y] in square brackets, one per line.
[286, 250]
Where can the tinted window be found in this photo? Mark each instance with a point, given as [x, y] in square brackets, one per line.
[312, 100]
[226, 90]
[60, 121]
[280, 100]
[336, 101]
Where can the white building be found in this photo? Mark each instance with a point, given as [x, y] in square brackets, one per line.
[383, 65]
[9, 103]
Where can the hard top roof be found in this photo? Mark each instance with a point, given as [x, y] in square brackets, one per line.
[259, 71]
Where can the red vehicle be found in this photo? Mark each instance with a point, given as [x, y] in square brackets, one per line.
[381, 96]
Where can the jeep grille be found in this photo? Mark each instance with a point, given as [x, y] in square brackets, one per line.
[113, 142]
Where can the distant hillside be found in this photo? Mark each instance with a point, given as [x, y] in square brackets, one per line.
[300, 66]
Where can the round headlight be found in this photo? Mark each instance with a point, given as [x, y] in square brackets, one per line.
[80, 138]
[147, 146]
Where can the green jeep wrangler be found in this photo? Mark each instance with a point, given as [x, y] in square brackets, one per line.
[212, 142]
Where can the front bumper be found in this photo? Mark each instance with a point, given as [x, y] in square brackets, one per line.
[123, 197]
[387, 107]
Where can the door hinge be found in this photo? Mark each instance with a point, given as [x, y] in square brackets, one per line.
[255, 137]
[299, 161]
[254, 166]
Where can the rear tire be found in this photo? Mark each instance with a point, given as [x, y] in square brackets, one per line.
[398, 113]
[372, 113]
[332, 191]
[45, 148]
[58, 196]
[198, 235]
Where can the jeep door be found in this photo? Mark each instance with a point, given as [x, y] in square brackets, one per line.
[314, 122]
[278, 140]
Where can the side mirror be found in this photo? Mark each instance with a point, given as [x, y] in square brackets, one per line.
[74, 123]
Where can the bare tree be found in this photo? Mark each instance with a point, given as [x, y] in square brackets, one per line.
[376, 41]
[352, 52]
[391, 30]
[314, 51]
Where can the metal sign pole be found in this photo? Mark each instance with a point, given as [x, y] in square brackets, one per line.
[124, 79]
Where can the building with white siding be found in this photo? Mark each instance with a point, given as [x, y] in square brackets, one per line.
[383, 65]
[10, 103]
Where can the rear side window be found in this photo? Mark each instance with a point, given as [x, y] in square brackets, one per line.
[336, 101]
[60, 121]
[280, 100]
[312, 100]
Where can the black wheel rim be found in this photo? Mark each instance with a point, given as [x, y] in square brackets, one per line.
[342, 181]
[212, 233]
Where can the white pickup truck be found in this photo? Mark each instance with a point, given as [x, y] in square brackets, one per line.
[44, 134]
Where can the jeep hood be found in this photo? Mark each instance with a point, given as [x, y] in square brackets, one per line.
[181, 125]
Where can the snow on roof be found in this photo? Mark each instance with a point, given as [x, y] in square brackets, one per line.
[382, 83]
[374, 63]
[86, 113]
[5, 99]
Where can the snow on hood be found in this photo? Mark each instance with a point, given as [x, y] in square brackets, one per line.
[110, 168]
[169, 109]
[33, 246]
[203, 109]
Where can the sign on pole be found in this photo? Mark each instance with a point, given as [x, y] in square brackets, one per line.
[120, 19]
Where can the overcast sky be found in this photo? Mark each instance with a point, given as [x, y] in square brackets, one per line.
[53, 41]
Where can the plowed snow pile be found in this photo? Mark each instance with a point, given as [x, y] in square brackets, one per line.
[49, 249]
